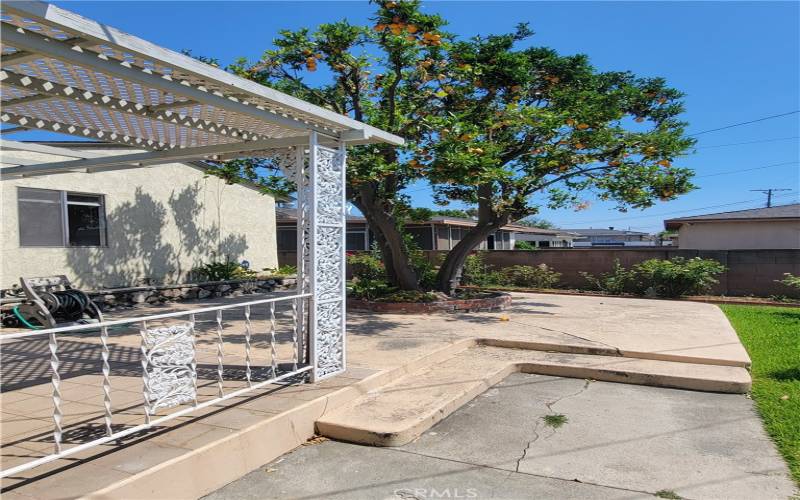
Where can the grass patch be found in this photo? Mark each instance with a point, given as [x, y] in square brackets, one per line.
[772, 338]
[668, 494]
[555, 421]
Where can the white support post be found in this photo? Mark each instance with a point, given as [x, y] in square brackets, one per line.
[303, 182]
[326, 271]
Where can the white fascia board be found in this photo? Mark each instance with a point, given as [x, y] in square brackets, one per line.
[103, 34]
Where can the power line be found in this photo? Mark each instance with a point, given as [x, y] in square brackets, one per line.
[747, 169]
[744, 123]
[680, 211]
[750, 142]
[769, 192]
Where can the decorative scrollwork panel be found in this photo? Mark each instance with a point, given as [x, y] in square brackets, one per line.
[330, 338]
[330, 186]
[171, 373]
[328, 257]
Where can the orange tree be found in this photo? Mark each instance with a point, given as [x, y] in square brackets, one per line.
[500, 128]
[523, 128]
[386, 75]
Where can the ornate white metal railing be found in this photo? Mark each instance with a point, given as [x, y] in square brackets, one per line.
[169, 359]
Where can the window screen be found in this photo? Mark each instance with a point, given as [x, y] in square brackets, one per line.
[41, 218]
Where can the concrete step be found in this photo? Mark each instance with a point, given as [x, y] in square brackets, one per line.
[400, 411]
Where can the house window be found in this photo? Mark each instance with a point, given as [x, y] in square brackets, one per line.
[287, 239]
[50, 218]
[355, 241]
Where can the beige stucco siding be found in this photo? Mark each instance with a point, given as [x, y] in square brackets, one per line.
[744, 235]
[162, 221]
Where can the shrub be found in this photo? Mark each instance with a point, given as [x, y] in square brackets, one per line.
[677, 276]
[369, 276]
[222, 271]
[618, 281]
[366, 267]
[477, 273]
[665, 278]
[539, 276]
[790, 280]
[283, 271]
[408, 296]
[524, 245]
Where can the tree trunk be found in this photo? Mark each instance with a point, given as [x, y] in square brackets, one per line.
[488, 222]
[390, 240]
[448, 275]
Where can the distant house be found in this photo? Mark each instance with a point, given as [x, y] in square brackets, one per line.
[437, 233]
[125, 227]
[611, 237]
[444, 232]
[760, 228]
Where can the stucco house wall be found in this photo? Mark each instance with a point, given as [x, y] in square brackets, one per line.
[740, 235]
[161, 222]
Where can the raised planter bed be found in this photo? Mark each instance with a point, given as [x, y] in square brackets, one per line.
[496, 301]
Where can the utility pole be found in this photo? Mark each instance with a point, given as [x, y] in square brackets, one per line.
[769, 192]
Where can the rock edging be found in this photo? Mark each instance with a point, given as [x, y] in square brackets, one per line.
[497, 302]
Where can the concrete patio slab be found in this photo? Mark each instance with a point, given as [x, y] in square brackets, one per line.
[399, 412]
[618, 441]
[381, 349]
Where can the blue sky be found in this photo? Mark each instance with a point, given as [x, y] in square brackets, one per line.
[736, 61]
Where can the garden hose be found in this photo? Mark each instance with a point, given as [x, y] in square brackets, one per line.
[22, 319]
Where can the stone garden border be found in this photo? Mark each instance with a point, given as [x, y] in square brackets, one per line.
[497, 302]
[111, 298]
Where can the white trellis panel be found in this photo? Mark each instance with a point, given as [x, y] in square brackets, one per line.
[326, 270]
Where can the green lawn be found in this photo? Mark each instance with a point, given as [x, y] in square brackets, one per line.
[772, 338]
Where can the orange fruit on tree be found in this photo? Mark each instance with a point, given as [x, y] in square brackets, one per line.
[582, 126]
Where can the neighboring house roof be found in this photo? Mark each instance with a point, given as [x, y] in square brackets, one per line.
[606, 232]
[517, 228]
[289, 215]
[781, 212]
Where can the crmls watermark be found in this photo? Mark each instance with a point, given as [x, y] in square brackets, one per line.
[426, 493]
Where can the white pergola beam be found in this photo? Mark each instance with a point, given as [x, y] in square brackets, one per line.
[13, 130]
[172, 105]
[102, 34]
[5, 144]
[33, 42]
[25, 100]
[78, 131]
[47, 89]
[155, 157]
[23, 56]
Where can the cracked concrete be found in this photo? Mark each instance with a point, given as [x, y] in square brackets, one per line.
[621, 441]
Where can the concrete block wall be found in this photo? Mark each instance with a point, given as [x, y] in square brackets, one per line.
[749, 272]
